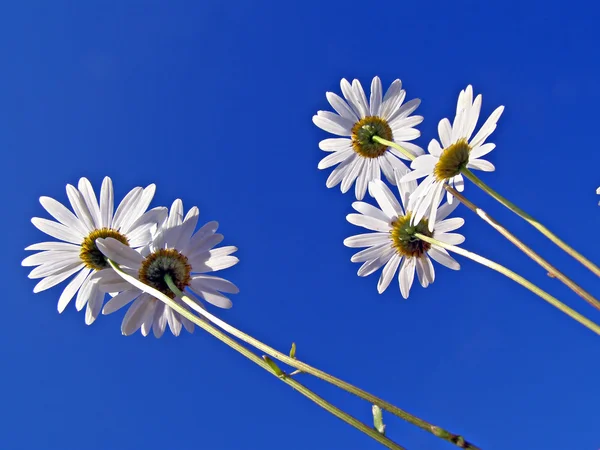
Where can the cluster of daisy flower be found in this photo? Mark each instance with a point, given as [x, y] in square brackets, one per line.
[368, 131]
[147, 244]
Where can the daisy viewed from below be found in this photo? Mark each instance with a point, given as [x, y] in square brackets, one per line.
[176, 251]
[393, 244]
[77, 253]
[358, 156]
[457, 151]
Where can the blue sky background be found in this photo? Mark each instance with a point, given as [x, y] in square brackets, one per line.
[212, 101]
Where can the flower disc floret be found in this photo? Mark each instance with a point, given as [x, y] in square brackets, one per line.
[452, 160]
[164, 262]
[363, 133]
[89, 253]
[404, 239]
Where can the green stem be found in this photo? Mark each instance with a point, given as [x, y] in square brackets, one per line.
[303, 367]
[537, 225]
[255, 359]
[517, 278]
[552, 271]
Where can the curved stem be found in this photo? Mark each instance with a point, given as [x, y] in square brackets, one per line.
[255, 359]
[435, 430]
[552, 271]
[517, 278]
[537, 225]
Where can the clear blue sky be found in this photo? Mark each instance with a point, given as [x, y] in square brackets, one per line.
[212, 101]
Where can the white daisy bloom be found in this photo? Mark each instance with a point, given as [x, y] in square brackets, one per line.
[393, 244]
[458, 150]
[77, 253]
[361, 159]
[179, 252]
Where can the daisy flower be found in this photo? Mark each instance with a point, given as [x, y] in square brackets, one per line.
[393, 244]
[77, 253]
[359, 158]
[176, 251]
[457, 151]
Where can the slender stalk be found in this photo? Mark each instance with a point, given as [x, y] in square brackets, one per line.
[303, 367]
[537, 225]
[517, 278]
[255, 359]
[552, 271]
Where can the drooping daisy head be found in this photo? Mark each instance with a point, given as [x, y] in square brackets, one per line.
[175, 251]
[393, 243]
[458, 150]
[358, 121]
[77, 253]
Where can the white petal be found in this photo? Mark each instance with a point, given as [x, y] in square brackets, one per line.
[149, 317]
[63, 215]
[174, 321]
[487, 128]
[359, 94]
[406, 276]
[58, 231]
[80, 208]
[120, 300]
[334, 158]
[376, 96]
[107, 202]
[335, 144]
[390, 100]
[445, 132]
[406, 109]
[339, 172]
[445, 210]
[125, 207]
[386, 199]
[48, 256]
[370, 210]
[449, 224]
[388, 273]
[94, 305]
[371, 253]
[367, 222]
[138, 208]
[53, 280]
[59, 246]
[135, 316]
[211, 296]
[216, 284]
[449, 238]
[55, 267]
[160, 320]
[351, 174]
[441, 256]
[482, 150]
[481, 164]
[360, 188]
[119, 252]
[371, 266]
[341, 107]
[434, 148]
[333, 123]
[406, 134]
[366, 240]
[72, 288]
[350, 96]
[89, 197]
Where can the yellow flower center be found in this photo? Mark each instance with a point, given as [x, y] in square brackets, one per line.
[452, 160]
[403, 236]
[165, 262]
[89, 253]
[363, 133]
